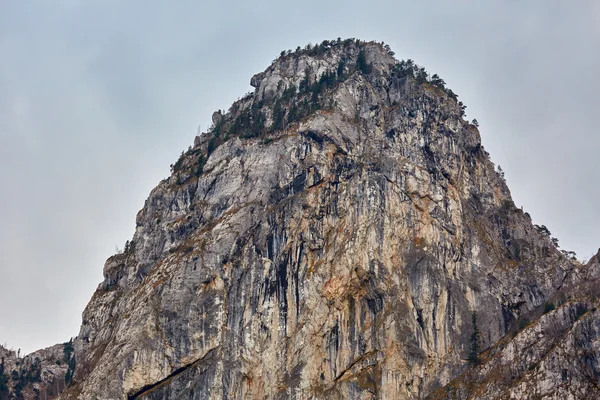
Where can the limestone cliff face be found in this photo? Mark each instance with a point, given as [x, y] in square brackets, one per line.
[552, 356]
[332, 236]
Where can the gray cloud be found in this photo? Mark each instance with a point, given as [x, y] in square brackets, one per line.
[98, 98]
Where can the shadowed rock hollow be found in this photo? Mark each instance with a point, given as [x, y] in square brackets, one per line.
[338, 233]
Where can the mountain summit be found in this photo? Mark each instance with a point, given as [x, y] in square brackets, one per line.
[339, 233]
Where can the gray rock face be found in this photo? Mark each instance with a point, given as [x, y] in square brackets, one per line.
[554, 356]
[39, 375]
[332, 236]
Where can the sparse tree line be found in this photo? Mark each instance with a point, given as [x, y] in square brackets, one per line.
[295, 102]
[544, 231]
[14, 384]
[18, 379]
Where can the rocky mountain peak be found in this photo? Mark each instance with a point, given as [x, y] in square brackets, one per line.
[340, 232]
[314, 62]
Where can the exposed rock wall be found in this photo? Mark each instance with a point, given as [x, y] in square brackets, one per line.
[553, 356]
[39, 375]
[340, 255]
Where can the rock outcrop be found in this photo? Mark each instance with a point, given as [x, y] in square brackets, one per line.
[338, 233]
[553, 356]
[39, 375]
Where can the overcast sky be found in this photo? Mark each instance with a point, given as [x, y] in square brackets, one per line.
[97, 98]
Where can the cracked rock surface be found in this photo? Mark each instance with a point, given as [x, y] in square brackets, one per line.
[338, 255]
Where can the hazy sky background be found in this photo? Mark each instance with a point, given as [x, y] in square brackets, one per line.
[97, 98]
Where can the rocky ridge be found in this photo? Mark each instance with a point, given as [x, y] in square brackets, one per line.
[338, 233]
[39, 375]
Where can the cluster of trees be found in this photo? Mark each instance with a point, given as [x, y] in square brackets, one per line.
[31, 372]
[326, 45]
[408, 68]
[20, 379]
[570, 255]
[289, 108]
[293, 104]
[296, 102]
[544, 231]
[320, 49]
[247, 124]
[4, 392]
[179, 165]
